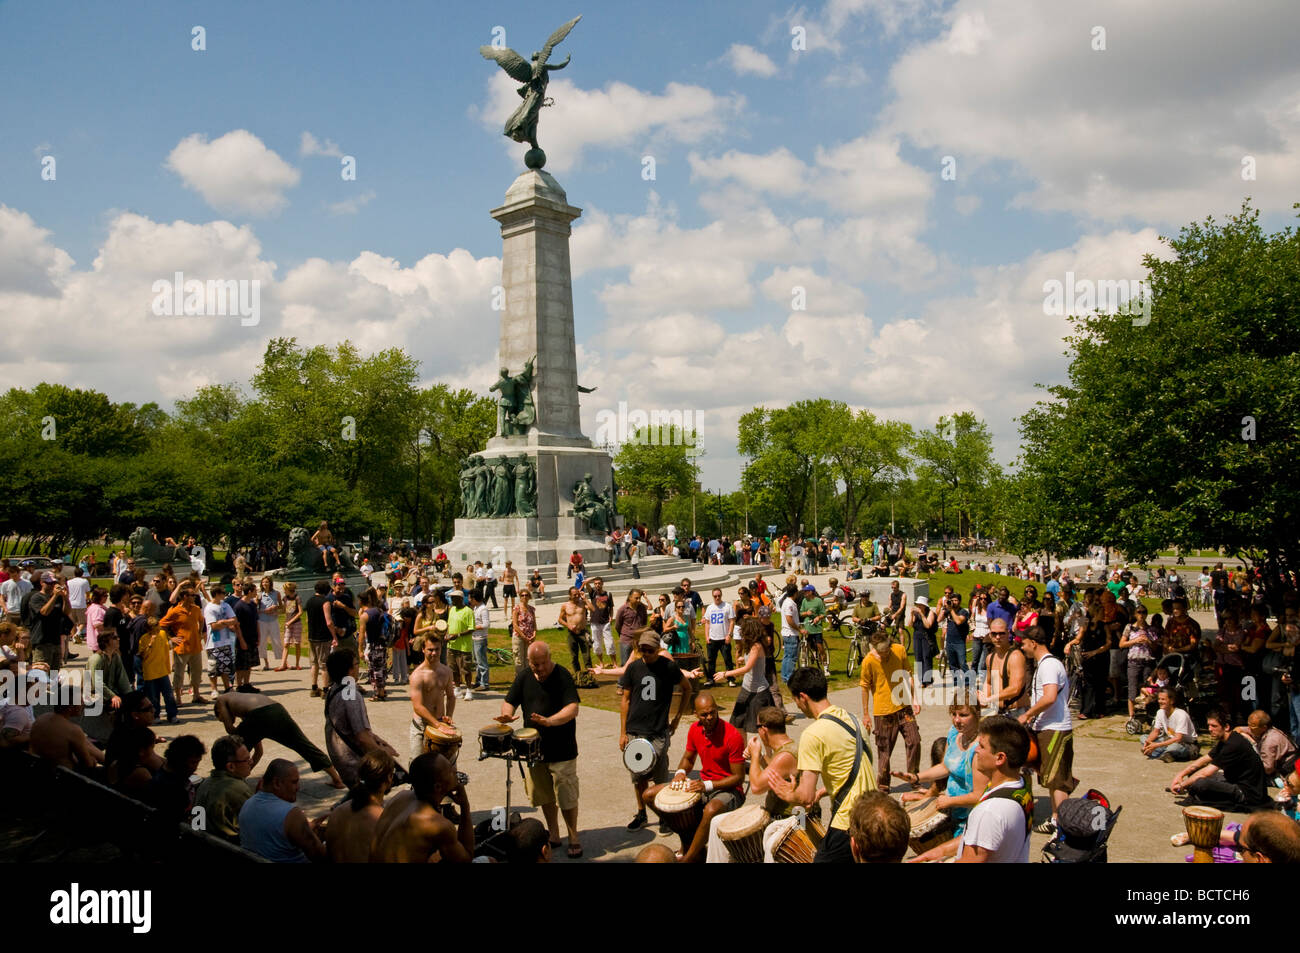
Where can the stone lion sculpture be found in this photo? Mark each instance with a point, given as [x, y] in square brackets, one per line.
[145, 548]
[305, 557]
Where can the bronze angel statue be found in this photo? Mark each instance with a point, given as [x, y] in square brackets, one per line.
[522, 124]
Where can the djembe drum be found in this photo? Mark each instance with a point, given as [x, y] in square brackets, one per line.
[442, 739]
[1203, 827]
[796, 847]
[682, 811]
[741, 832]
[930, 826]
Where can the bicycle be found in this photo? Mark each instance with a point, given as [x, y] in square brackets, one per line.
[500, 656]
[900, 633]
[859, 645]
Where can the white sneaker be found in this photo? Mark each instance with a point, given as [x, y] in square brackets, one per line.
[469, 696]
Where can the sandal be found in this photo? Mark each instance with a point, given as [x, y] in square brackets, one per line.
[575, 851]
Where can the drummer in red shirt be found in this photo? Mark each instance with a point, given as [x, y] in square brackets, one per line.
[721, 750]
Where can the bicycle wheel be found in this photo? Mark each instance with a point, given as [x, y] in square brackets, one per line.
[905, 639]
[855, 659]
[805, 654]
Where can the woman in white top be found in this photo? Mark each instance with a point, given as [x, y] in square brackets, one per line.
[979, 617]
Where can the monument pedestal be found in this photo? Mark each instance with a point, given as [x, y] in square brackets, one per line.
[537, 330]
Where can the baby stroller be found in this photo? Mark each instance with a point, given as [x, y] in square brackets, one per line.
[1083, 827]
[1182, 676]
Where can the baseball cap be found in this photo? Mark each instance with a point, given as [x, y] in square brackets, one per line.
[48, 577]
[647, 639]
[809, 588]
[1035, 634]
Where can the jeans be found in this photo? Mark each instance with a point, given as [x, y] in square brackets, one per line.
[790, 656]
[980, 650]
[720, 645]
[955, 651]
[624, 652]
[636, 571]
[161, 688]
[579, 647]
[1181, 751]
[481, 660]
[137, 673]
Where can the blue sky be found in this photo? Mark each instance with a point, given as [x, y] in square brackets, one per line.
[775, 168]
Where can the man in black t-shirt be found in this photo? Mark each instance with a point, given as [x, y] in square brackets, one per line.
[44, 612]
[246, 645]
[550, 702]
[343, 615]
[319, 632]
[647, 683]
[1241, 786]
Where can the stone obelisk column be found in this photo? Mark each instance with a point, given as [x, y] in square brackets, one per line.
[536, 222]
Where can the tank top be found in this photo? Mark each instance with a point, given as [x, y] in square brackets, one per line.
[961, 774]
[261, 829]
[981, 620]
[755, 679]
[1023, 700]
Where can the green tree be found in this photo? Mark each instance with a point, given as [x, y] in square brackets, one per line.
[1185, 429]
[956, 458]
[655, 471]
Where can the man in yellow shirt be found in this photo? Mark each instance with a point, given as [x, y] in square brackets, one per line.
[833, 760]
[157, 667]
[887, 704]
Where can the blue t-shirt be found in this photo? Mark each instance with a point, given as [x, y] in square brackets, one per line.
[996, 611]
[1054, 588]
[961, 776]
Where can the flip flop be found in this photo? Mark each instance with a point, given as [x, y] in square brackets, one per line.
[556, 844]
[575, 851]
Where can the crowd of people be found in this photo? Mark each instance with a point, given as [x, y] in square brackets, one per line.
[1015, 664]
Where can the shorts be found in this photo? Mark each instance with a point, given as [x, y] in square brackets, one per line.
[293, 635]
[320, 651]
[554, 782]
[1056, 761]
[602, 638]
[221, 662]
[815, 638]
[508, 592]
[79, 617]
[246, 659]
[659, 773]
[730, 798]
[51, 655]
[1118, 663]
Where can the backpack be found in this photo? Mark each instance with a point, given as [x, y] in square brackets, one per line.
[388, 634]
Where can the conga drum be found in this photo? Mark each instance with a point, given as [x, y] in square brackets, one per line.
[796, 847]
[741, 832]
[495, 741]
[930, 826]
[1203, 827]
[442, 739]
[682, 811]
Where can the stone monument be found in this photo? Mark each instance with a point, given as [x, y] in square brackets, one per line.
[539, 490]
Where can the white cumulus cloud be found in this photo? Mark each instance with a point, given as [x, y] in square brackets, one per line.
[235, 173]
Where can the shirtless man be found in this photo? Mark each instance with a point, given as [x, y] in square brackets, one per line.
[323, 540]
[509, 587]
[433, 696]
[57, 737]
[265, 718]
[573, 619]
[350, 829]
[411, 829]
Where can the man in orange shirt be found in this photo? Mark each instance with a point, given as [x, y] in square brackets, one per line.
[182, 624]
[887, 687]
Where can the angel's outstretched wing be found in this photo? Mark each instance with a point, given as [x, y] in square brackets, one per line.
[556, 37]
[515, 65]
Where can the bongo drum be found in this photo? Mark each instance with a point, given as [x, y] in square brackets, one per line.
[681, 810]
[930, 826]
[494, 741]
[1203, 827]
[528, 745]
[741, 832]
[796, 847]
[442, 739]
